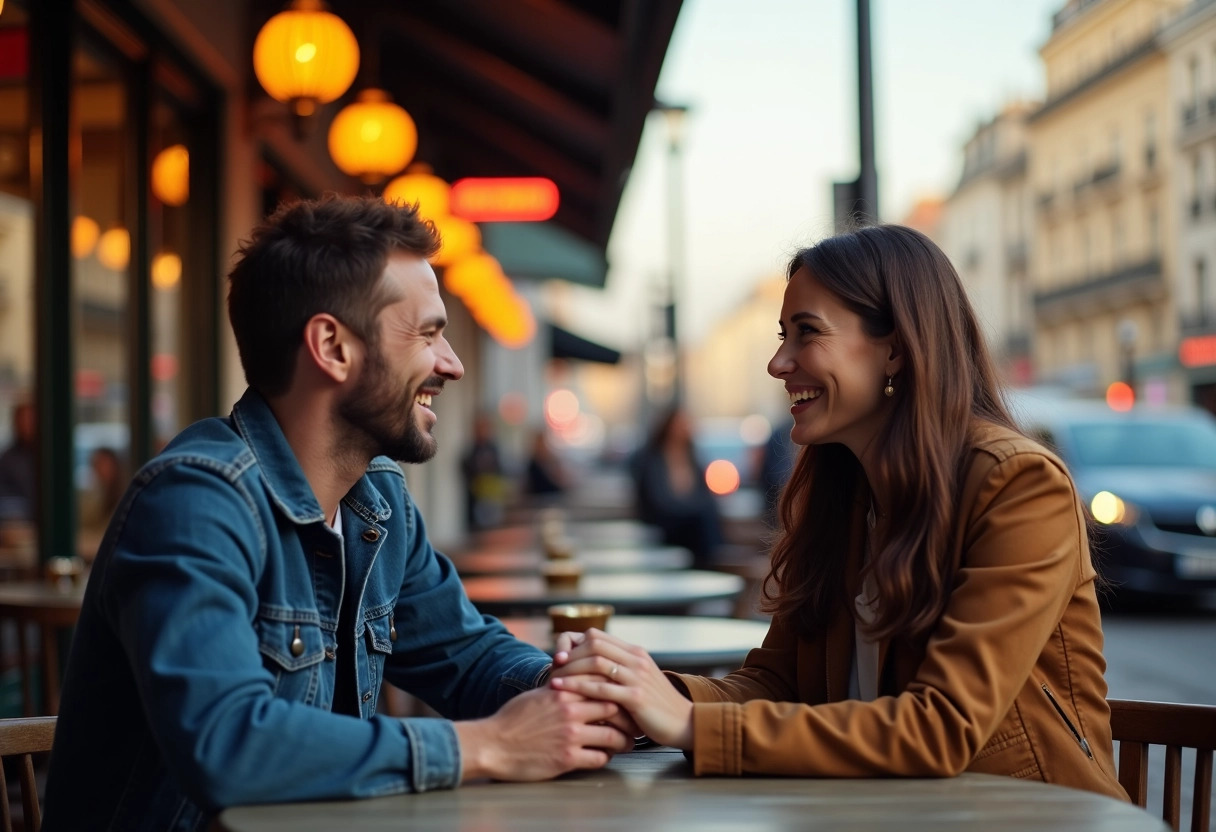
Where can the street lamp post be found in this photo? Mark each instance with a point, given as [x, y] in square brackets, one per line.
[1127, 333]
[674, 115]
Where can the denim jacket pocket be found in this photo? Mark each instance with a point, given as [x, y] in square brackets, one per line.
[381, 633]
[292, 647]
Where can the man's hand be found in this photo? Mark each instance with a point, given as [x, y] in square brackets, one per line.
[538, 735]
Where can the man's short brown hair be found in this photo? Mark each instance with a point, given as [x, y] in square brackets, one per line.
[309, 257]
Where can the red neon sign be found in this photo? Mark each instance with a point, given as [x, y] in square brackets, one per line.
[1198, 351]
[504, 199]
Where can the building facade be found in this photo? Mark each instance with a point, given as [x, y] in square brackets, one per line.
[986, 230]
[1101, 171]
[1190, 44]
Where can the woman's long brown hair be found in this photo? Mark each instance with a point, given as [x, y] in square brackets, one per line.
[898, 281]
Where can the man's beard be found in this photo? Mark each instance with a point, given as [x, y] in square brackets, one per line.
[385, 417]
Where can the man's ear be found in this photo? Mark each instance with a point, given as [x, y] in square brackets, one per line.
[330, 346]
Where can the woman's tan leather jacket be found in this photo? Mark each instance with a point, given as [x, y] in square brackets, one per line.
[1010, 681]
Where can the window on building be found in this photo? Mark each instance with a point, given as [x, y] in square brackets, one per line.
[1116, 239]
[1154, 233]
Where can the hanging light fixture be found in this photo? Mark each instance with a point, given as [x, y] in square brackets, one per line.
[85, 232]
[372, 138]
[166, 270]
[171, 175]
[458, 238]
[419, 185]
[305, 56]
[114, 248]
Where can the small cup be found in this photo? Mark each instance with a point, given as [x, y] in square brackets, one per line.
[64, 573]
[559, 547]
[561, 574]
[577, 618]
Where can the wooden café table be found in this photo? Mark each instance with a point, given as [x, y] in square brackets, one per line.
[628, 592]
[644, 558]
[50, 607]
[688, 644]
[654, 790]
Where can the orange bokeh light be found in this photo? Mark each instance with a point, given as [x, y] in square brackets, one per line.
[1120, 396]
[561, 408]
[722, 477]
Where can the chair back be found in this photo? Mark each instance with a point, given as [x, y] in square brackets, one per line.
[22, 738]
[1136, 725]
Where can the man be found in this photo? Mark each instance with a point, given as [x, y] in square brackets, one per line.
[266, 571]
[17, 468]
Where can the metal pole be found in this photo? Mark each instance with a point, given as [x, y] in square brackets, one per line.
[868, 178]
[675, 258]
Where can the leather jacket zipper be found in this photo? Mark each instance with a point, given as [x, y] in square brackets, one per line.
[1080, 739]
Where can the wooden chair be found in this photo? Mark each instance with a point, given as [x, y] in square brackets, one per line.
[24, 737]
[1136, 725]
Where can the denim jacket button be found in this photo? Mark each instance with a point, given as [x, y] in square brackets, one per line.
[367, 696]
[371, 535]
[297, 644]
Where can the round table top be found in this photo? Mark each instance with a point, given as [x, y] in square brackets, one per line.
[675, 642]
[655, 790]
[627, 591]
[586, 534]
[598, 560]
[42, 594]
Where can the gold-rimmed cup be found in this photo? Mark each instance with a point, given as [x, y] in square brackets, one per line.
[577, 618]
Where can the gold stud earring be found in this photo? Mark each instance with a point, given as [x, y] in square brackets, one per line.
[889, 391]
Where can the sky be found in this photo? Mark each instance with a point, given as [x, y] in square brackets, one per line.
[773, 121]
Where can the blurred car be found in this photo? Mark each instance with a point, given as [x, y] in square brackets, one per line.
[1148, 475]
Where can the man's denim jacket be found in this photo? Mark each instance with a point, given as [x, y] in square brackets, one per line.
[202, 671]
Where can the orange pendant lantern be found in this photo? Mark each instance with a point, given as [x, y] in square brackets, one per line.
[457, 238]
[418, 185]
[305, 56]
[171, 175]
[372, 138]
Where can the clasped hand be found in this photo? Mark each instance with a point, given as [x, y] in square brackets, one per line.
[602, 667]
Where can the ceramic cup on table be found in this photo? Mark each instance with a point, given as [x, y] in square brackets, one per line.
[577, 618]
[561, 574]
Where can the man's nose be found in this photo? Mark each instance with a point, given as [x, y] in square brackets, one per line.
[448, 363]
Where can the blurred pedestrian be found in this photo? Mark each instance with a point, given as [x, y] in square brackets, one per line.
[546, 476]
[670, 489]
[485, 484]
[933, 596]
[775, 465]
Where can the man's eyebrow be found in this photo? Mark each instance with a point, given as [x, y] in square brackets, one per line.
[437, 322]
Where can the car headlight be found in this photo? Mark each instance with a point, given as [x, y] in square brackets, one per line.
[1109, 510]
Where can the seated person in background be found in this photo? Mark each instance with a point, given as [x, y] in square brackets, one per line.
[268, 570]
[98, 503]
[933, 596]
[18, 480]
[670, 489]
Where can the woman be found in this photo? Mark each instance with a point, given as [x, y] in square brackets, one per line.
[670, 489]
[932, 592]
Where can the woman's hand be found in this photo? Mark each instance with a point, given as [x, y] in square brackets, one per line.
[606, 668]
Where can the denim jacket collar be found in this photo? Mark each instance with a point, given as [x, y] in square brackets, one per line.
[284, 478]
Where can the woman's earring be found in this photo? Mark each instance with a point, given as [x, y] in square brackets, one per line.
[889, 391]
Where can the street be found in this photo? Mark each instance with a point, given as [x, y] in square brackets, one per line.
[1167, 655]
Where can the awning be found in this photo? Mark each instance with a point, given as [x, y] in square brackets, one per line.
[565, 344]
